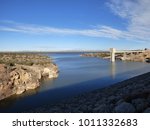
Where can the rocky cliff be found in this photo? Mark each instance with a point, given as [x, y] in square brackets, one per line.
[17, 78]
[140, 57]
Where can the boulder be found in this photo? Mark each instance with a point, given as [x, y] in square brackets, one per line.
[32, 85]
[51, 72]
[125, 107]
[148, 99]
[147, 110]
[140, 104]
[102, 108]
[20, 90]
[46, 72]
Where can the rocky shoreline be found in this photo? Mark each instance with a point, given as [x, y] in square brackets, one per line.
[20, 72]
[129, 96]
[135, 56]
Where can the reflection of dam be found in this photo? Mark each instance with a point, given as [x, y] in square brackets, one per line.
[113, 51]
[113, 69]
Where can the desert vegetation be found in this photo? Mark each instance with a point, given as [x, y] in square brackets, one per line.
[98, 54]
[24, 58]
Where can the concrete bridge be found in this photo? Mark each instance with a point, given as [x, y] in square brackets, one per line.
[113, 51]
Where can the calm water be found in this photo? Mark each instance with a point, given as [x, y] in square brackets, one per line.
[77, 75]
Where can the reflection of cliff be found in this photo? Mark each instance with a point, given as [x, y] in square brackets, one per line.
[8, 102]
[16, 78]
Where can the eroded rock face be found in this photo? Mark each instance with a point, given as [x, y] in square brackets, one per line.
[51, 72]
[19, 78]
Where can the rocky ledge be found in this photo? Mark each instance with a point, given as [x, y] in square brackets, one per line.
[135, 56]
[129, 96]
[21, 72]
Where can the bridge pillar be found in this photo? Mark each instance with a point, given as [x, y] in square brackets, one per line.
[112, 54]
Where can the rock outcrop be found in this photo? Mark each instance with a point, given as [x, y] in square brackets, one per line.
[18, 78]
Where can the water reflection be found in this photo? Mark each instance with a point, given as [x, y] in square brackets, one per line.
[113, 69]
[9, 102]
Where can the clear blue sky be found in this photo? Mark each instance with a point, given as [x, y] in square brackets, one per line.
[74, 24]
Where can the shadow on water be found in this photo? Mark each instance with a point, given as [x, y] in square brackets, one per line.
[22, 103]
[34, 98]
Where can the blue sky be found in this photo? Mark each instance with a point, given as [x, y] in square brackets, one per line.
[50, 25]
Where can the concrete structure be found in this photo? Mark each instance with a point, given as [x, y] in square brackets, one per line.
[113, 52]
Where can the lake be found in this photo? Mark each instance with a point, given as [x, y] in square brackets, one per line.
[76, 75]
